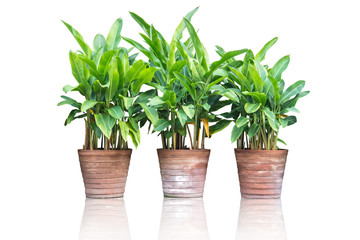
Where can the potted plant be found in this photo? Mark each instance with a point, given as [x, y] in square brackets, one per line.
[263, 107]
[109, 80]
[188, 94]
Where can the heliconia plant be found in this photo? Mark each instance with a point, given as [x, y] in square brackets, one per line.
[110, 81]
[264, 103]
[189, 88]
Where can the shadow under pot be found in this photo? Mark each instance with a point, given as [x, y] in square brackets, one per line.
[183, 172]
[261, 172]
[104, 172]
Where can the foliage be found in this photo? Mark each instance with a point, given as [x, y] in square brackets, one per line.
[188, 88]
[262, 105]
[110, 81]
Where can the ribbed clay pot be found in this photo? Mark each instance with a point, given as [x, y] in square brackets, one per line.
[183, 172]
[104, 172]
[261, 172]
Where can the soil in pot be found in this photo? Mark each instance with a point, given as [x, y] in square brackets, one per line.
[104, 172]
[261, 172]
[183, 172]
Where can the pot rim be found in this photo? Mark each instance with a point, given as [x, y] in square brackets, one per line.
[260, 150]
[183, 150]
[102, 150]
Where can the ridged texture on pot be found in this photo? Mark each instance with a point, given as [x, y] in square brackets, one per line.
[104, 172]
[261, 172]
[183, 172]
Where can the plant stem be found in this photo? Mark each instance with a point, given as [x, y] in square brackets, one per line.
[191, 142]
[203, 138]
[173, 129]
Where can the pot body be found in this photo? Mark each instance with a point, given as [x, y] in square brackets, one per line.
[261, 172]
[104, 172]
[183, 172]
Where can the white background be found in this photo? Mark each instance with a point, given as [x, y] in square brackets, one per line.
[41, 190]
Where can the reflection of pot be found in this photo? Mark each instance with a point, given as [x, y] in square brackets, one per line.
[104, 219]
[183, 219]
[261, 219]
[183, 172]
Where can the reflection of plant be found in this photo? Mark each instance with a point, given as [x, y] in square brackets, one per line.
[109, 79]
[189, 88]
[263, 104]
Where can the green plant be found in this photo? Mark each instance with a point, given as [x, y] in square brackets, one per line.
[110, 80]
[189, 86]
[263, 104]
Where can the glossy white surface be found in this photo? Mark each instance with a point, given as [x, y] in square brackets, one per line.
[41, 190]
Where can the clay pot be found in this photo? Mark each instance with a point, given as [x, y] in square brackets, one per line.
[183, 172]
[261, 172]
[104, 172]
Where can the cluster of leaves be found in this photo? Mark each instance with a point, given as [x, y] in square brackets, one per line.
[188, 91]
[110, 81]
[263, 104]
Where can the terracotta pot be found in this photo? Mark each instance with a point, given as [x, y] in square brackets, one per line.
[261, 172]
[104, 172]
[183, 172]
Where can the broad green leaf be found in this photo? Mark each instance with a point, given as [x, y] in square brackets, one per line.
[146, 52]
[241, 80]
[134, 71]
[135, 138]
[292, 90]
[105, 122]
[128, 101]
[271, 119]
[244, 68]
[99, 41]
[236, 132]
[261, 54]
[150, 112]
[71, 116]
[77, 67]
[113, 80]
[276, 88]
[206, 106]
[261, 70]
[105, 61]
[70, 101]
[241, 121]
[213, 83]
[189, 110]
[280, 67]
[156, 101]
[170, 97]
[87, 105]
[124, 130]
[230, 95]
[186, 82]
[79, 39]
[182, 117]
[219, 126]
[258, 97]
[84, 89]
[145, 77]
[144, 25]
[116, 112]
[252, 107]
[177, 66]
[258, 83]
[253, 130]
[291, 120]
[161, 124]
[114, 36]
[92, 66]
[281, 141]
[68, 88]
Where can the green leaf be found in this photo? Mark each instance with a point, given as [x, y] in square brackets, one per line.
[261, 55]
[292, 90]
[258, 97]
[114, 36]
[206, 106]
[177, 66]
[253, 130]
[241, 121]
[70, 101]
[252, 107]
[68, 88]
[145, 77]
[79, 39]
[280, 67]
[92, 66]
[71, 116]
[105, 122]
[124, 130]
[230, 95]
[99, 41]
[291, 120]
[128, 101]
[186, 82]
[135, 71]
[261, 70]
[189, 110]
[241, 80]
[144, 25]
[150, 112]
[219, 126]
[113, 80]
[116, 112]
[236, 132]
[77, 67]
[244, 69]
[271, 119]
[170, 97]
[105, 61]
[258, 83]
[276, 88]
[281, 141]
[156, 101]
[182, 117]
[161, 124]
[87, 105]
